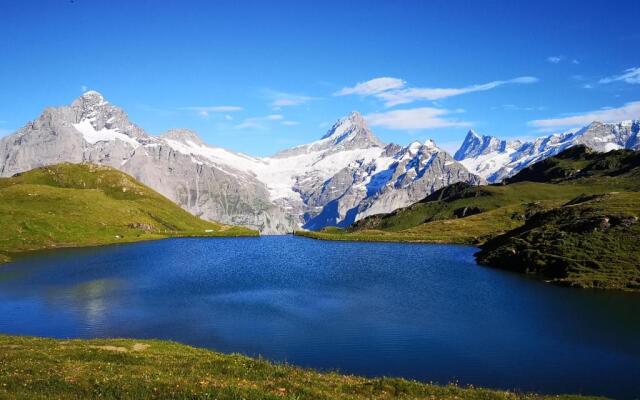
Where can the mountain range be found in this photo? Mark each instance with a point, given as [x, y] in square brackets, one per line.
[495, 159]
[345, 176]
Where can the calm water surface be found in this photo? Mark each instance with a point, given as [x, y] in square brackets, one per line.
[418, 311]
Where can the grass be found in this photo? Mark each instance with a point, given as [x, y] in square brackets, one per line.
[37, 368]
[592, 242]
[73, 205]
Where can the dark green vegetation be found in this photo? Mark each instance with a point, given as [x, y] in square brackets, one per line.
[70, 205]
[572, 219]
[592, 241]
[34, 368]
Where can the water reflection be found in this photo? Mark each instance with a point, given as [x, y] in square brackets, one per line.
[91, 299]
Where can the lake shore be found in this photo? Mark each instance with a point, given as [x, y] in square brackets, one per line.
[39, 368]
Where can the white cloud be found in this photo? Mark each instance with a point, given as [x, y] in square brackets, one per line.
[250, 124]
[83, 88]
[283, 99]
[290, 123]
[206, 110]
[559, 59]
[555, 59]
[631, 75]
[263, 122]
[409, 95]
[372, 86]
[513, 107]
[628, 111]
[392, 90]
[415, 118]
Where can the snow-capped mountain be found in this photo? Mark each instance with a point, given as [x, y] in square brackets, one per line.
[177, 164]
[346, 175]
[495, 159]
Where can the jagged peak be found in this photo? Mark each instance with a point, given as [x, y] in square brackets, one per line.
[352, 128]
[472, 134]
[430, 143]
[182, 135]
[349, 123]
[92, 93]
[90, 98]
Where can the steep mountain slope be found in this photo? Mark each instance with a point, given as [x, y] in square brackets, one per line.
[495, 159]
[347, 174]
[93, 130]
[84, 204]
[572, 218]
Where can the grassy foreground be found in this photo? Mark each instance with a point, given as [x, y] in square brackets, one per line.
[36, 368]
[73, 205]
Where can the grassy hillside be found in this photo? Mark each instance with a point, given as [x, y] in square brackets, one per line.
[34, 368]
[69, 205]
[530, 223]
[593, 241]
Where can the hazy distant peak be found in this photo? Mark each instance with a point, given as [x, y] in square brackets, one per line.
[182, 135]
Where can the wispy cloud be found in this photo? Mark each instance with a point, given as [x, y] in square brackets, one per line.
[555, 59]
[251, 123]
[415, 119]
[283, 99]
[393, 92]
[514, 107]
[628, 111]
[631, 75]
[559, 59]
[204, 111]
[264, 122]
[372, 86]
[84, 88]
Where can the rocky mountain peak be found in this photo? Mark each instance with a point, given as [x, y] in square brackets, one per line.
[89, 101]
[91, 105]
[472, 142]
[431, 145]
[182, 135]
[353, 132]
[475, 145]
[472, 134]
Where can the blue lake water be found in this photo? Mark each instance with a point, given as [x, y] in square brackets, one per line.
[426, 312]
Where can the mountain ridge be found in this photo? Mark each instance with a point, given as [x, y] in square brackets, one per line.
[348, 167]
[496, 159]
[346, 175]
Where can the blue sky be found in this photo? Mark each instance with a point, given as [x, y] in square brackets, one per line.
[258, 76]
